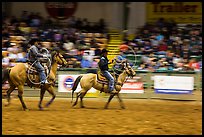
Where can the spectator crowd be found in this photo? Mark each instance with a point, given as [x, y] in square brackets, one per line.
[166, 45]
[163, 45]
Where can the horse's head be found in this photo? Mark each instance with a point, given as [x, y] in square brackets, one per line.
[128, 69]
[58, 58]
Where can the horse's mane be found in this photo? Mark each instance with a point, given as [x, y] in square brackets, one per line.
[53, 53]
[52, 56]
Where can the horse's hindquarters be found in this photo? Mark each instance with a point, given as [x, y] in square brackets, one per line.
[87, 81]
[18, 74]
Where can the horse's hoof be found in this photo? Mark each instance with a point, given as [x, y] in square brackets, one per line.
[105, 107]
[82, 106]
[25, 109]
[123, 107]
[74, 105]
[41, 108]
[47, 105]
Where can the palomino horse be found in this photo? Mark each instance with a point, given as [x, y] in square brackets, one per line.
[87, 81]
[17, 77]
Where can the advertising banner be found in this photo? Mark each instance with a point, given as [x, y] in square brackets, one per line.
[132, 86]
[181, 12]
[66, 82]
[173, 84]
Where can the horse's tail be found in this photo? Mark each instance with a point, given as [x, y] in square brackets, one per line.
[5, 74]
[76, 82]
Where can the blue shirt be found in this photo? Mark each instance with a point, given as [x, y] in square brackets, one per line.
[85, 64]
[118, 64]
[159, 37]
[119, 57]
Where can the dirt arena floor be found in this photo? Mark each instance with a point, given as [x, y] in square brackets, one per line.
[141, 117]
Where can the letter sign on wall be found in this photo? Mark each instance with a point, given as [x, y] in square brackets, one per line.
[61, 10]
[181, 12]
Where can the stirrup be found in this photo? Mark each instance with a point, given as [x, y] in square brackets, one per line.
[113, 92]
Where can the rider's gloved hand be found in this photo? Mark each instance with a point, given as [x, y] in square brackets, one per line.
[45, 56]
[49, 56]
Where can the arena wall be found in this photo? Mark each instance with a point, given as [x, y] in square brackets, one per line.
[112, 12]
[145, 78]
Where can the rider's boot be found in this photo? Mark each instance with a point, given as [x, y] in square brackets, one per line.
[112, 91]
[45, 83]
[111, 88]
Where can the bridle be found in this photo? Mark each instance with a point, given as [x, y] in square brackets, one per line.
[60, 57]
[128, 69]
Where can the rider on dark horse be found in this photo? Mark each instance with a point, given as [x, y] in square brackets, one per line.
[34, 56]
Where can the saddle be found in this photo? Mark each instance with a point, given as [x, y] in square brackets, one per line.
[33, 73]
[102, 79]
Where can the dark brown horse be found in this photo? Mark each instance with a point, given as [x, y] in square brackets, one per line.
[17, 77]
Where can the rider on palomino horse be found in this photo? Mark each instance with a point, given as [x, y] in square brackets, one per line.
[34, 56]
[103, 65]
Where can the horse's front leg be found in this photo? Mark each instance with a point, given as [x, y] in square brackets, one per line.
[50, 89]
[120, 101]
[42, 92]
[20, 96]
[110, 98]
[9, 94]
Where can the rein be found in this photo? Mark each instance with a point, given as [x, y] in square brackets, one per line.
[126, 78]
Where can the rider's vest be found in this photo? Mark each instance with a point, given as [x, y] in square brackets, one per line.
[103, 63]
